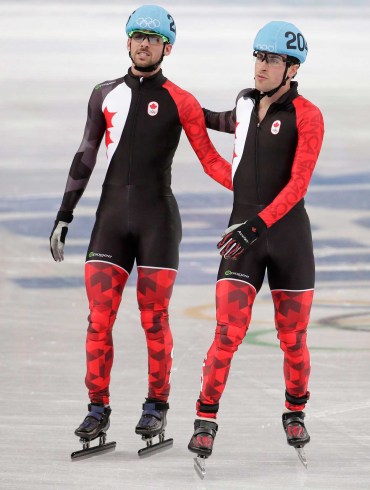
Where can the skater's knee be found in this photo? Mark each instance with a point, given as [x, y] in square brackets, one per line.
[292, 342]
[154, 321]
[229, 337]
[101, 319]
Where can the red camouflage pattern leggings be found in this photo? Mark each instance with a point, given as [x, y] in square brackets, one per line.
[105, 283]
[234, 302]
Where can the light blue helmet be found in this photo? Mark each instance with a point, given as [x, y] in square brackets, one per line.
[281, 38]
[152, 18]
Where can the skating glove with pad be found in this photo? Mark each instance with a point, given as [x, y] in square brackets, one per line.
[239, 237]
[58, 235]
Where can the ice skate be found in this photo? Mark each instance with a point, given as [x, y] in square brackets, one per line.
[296, 433]
[201, 443]
[95, 425]
[151, 424]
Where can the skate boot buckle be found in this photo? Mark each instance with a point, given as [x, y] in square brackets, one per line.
[152, 424]
[94, 426]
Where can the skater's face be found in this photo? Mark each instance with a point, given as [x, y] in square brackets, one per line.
[269, 70]
[146, 48]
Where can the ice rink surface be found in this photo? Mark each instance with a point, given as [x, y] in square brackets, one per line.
[52, 55]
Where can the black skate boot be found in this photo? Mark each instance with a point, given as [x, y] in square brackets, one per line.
[201, 443]
[296, 433]
[95, 424]
[151, 424]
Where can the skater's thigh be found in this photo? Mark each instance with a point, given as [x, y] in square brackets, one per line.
[249, 267]
[158, 234]
[111, 243]
[291, 262]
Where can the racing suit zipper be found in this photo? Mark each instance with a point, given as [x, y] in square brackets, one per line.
[256, 167]
[256, 160]
[133, 131]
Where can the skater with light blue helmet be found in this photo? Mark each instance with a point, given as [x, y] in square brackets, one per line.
[278, 136]
[140, 116]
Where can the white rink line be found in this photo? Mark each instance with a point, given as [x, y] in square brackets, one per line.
[320, 252]
[90, 211]
[92, 194]
[76, 259]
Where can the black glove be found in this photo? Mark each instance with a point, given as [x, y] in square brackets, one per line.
[238, 238]
[58, 235]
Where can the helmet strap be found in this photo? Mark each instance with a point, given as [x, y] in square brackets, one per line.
[270, 93]
[148, 69]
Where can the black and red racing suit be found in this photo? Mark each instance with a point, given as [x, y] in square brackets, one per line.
[137, 217]
[272, 166]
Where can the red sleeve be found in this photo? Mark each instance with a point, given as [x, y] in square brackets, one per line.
[192, 120]
[310, 126]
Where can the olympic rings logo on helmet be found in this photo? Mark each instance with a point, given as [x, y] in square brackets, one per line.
[152, 18]
[270, 48]
[282, 38]
[148, 23]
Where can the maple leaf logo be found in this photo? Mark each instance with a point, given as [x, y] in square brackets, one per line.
[153, 108]
[108, 118]
[235, 136]
[275, 127]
